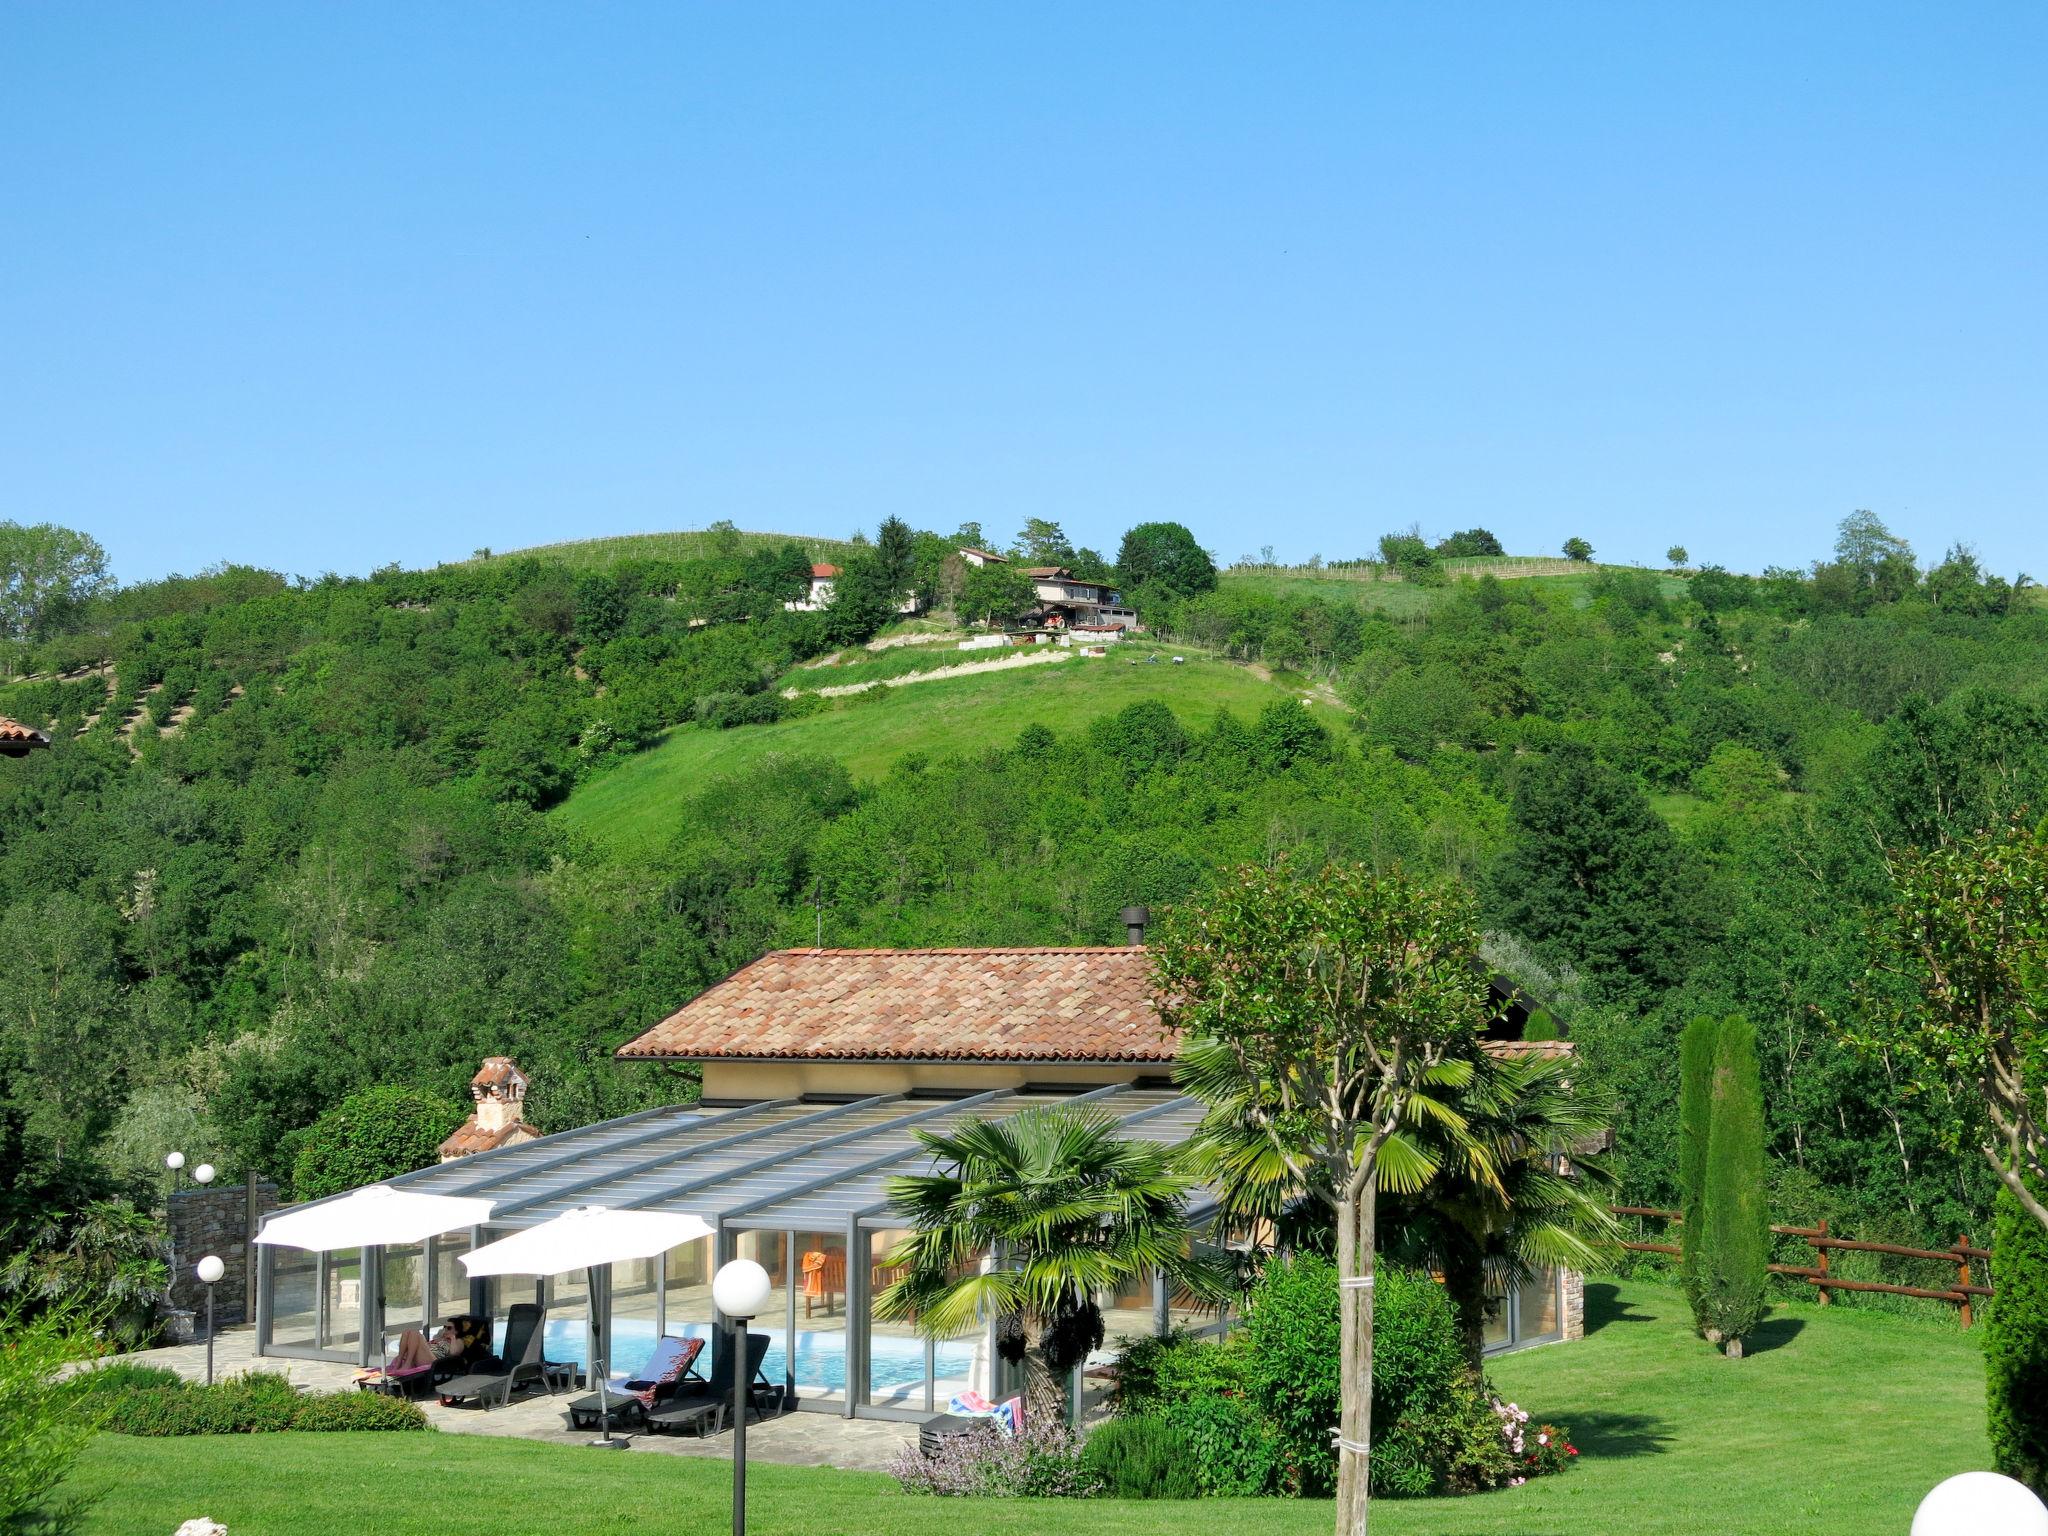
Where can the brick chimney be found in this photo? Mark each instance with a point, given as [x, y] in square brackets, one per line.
[499, 1089]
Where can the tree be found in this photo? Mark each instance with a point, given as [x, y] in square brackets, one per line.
[1027, 1220]
[2016, 1347]
[1591, 875]
[1165, 556]
[1468, 544]
[1968, 936]
[371, 1136]
[1335, 1010]
[1576, 548]
[1734, 1246]
[996, 592]
[895, 556]
[1695, 1130]
[1042, 543]
[46, 573]
[1407, 551]
[862, 600]
[1676, 557]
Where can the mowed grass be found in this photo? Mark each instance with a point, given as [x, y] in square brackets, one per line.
[1838, 1423]
[641, 800]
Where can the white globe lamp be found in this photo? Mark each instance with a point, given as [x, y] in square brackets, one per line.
[203, 1174]
[741, 1289]
[209, 1270]
[1980, 1504]
[174, 1161]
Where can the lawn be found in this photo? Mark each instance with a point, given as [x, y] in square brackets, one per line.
[1839, 1422]
[638, 801]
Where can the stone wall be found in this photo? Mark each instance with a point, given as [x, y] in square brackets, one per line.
[215, 1220]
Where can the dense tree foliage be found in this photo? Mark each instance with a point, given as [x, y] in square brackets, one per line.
[320, 860]
[1164, 558]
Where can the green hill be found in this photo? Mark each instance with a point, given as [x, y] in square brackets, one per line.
[585, 554]
[1366, 587]
[635, 803]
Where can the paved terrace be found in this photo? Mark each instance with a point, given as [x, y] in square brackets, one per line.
[794, 1439]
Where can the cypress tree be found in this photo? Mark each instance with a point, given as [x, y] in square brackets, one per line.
[1695, 1109]
[1735, 1246]
[2016, 1348]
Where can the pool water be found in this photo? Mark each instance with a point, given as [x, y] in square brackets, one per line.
[893, 1362]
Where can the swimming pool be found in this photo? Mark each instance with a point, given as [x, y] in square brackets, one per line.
[893, 1362]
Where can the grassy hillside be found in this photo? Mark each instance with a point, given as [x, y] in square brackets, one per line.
[1365, 588]
[636, 801]
[1815, 1433]
[585, 554]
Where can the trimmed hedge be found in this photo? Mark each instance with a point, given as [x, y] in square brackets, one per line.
[2016, 1347]
[372, 1135]
[255, 1404]
[1735, 1243]
[1695, 1121]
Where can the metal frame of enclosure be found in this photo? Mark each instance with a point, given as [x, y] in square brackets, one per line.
[800, 1185]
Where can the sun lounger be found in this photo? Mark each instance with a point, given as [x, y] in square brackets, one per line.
[520, 1364]
[685, 1407]
[628, 1398]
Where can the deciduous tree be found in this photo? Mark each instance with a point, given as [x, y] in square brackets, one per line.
[1333, 1009]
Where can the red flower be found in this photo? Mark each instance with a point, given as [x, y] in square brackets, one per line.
[1571, 1450]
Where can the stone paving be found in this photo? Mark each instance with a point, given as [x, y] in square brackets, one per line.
[795, 1439]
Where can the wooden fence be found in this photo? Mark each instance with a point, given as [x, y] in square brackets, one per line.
[1817, 1274]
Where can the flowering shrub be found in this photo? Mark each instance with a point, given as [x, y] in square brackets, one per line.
[1537, 1452]
[1044, 1462]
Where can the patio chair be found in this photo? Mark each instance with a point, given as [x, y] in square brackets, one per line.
[521, 1362]
[700, 1405]
[665, 1372]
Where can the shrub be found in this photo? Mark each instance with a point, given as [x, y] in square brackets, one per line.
[1044, 1462]
[2016, 1348]
[1291, 1319]
[123, 1376]
[723, 711]
[1204, 1392]
[42, 1430]
[254, 1404]
[1695, 1118]
[1420, 1385]
[1141, 1458]
[1734, 1245]
[376, 1134]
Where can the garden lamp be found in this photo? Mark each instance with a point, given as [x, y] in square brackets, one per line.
[740, 1290]
[209, 1270]
[203, 1174]
[1980, 1504]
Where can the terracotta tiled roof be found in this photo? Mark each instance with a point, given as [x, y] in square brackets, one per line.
[824, 572]
[922, 1005]
[1046, 1005]
[988, 554]
[469, 1137]
[1046, 572]
[14, 733]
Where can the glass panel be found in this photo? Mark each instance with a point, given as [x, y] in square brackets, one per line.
[1539, 1306]
[343, 1311]
[896, 1373]
[770, 1250]
[1495, 1332]
[820, 1315]
[1126, 1314]
[687, 1297]
[567, 1337]
[294, 1296]
[451, 1280]
[405, 1292]
[636, 1287]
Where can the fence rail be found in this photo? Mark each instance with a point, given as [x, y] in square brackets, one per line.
[1817, 1273]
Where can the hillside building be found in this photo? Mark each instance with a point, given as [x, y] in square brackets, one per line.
[18, 740]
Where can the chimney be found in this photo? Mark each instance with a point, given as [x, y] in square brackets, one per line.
[1135, 919]
[499, 1090]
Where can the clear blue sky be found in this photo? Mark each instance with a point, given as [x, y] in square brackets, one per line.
[325, 286]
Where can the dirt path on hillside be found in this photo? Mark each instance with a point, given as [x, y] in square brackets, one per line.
[1037, 658]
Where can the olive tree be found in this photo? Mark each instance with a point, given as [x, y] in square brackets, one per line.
[1332, 1009]
[1968, 934]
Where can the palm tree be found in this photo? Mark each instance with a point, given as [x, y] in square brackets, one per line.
[1475, 1179]
[1545, 1207]
[1027, 1219]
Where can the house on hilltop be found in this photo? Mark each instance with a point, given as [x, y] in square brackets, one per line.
[1067, 601]
[820, 595]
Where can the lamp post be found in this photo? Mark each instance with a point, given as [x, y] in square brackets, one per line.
[740, 1290]
[203, 1174]
[209, 1270]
